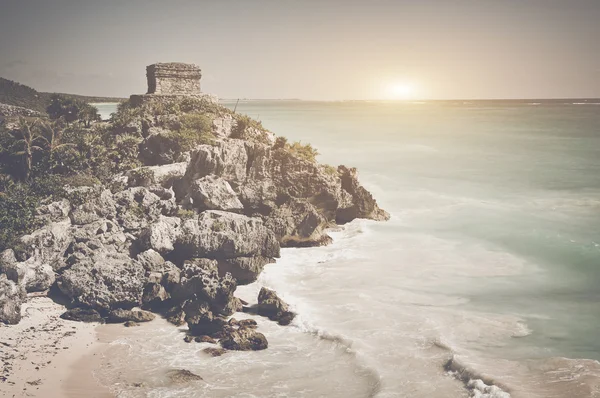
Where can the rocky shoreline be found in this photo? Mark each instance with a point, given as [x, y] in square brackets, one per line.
[178, 235]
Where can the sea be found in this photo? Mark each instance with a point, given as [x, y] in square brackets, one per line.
[485, 282]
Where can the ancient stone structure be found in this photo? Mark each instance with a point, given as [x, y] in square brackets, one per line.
[173, 79]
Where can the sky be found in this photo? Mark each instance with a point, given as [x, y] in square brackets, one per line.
[310, 49]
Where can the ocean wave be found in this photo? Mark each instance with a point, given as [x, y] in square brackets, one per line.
[479, 385]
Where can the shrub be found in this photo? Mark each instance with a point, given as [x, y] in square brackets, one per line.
[18, 207]
[330, 170]
[195, 129]
[280, 143]
[306, 152]
[186, 214]
[218, 226]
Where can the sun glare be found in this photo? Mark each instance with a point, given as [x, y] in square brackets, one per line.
[400, 91]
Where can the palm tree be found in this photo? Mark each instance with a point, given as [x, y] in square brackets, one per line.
[25, 137]
[50, 136]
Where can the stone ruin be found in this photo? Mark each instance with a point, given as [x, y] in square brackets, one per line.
[173, 79]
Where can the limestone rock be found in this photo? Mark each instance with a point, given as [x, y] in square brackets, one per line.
[271, 306]
[161, 235]
[218, 234]
[244, 269]
[121, 315]
[34, 277]
[104, 279]
[82, 315]
[213, 193]
[11, 298]
[244, 339]
[363, 204]
[181, 376]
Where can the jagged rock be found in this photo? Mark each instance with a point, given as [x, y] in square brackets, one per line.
[161, 235]
[271, 306]
[244, 269]
[180, 376]
[55, 211]
[163, 175]
[34, 277]
[244, 339]
[188, 339]
[201, 320]
[46, 245]
[129, 324]
[218, 234]
[363, 203]
[154, 294]
[248, 323]
[82, 315]
[214, 352]
[11, 298]
[200, 279]
[121, 315]
[299, 224]
[227, 159]
[205, 339]
[213, 193]
[104, 279]
[176, 316]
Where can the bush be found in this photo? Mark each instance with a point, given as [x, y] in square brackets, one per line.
[330, 170]
[195, 129]
[306, 152]
[280, 143]
[186, 214]
[18, 208]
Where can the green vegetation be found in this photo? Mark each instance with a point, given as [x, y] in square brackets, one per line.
[71, 110]
[218, 226]
[193, 129]
[186, 214]
[18, 203]
[330, 170]
[306, 152]
[13, 93]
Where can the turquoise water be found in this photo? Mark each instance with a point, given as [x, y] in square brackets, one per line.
[492, 256]
[520, 178]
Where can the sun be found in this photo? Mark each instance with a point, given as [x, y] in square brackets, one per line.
[400, 91]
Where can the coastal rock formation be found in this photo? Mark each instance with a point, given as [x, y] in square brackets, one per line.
[11, 298]
[271, 306]
[216, 197]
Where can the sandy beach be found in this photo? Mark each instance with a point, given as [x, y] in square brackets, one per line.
[46, 356]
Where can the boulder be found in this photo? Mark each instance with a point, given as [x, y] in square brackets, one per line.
[181, 376]
[11, 298]
[200, 279]
[104, 279]
[271, 306]
[244, 339]
[245, 270]
[213, 193]
[299, 224]
[121, 315]
[161, 235]
[82, 315]
[34, 277]
[214, 351]
[227, 159]
[201, 320]
[223, 235]
[205, 339]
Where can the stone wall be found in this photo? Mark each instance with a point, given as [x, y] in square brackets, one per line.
[173, 79]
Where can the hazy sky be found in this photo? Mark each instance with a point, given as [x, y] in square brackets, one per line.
[321, 49]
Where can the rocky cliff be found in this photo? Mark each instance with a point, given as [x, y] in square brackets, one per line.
[178, 235]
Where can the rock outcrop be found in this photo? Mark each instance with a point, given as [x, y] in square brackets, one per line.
[179, 234]
[11, 298]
